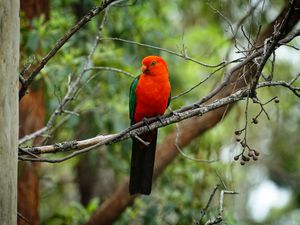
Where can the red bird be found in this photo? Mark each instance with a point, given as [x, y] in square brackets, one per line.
[149, 96]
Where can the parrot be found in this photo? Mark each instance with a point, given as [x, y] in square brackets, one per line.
[149, 96]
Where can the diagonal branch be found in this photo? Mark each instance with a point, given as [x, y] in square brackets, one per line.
[269, 49]
[139, 128]
[25, 84]
[127, 133]
[183, 55]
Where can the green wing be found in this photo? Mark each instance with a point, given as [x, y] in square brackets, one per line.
[132, 99]
[169, 100]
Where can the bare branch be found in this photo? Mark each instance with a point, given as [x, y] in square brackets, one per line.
[73, 86]
[110, 69]
[185, 155]
[136, 129]
[104, 4]
[295, 90]
[219, 217]
[139, 128]
[269, 48]
[183, 55]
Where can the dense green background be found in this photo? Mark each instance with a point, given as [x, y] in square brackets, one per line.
[184, 188]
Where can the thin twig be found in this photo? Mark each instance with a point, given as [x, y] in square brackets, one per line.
[104, 4]
[73, 86]
[269, 48]
[182, 55]
[110, 69]
[136, 129]
[185, 155]
[140, 128]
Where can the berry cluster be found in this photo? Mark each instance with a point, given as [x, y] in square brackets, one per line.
[247, 152]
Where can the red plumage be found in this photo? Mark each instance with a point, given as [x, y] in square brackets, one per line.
[149, 97]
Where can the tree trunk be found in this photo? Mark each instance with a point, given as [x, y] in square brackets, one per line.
[9, 61]
[31, 118]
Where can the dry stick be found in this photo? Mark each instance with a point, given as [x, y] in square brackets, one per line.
[227, 20]
[182, 55]
[270, 49]
[239, 23]
[137, 129]
[185, 155]
[198, 84]
[49, 126]
[295, 90]
[110, 69]
[72, 87]
[248, 59]
[129, 132]
[203, 211]
[219, 217]
[225, 82]
[104, 4]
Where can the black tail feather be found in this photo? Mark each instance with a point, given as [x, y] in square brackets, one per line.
[142, 163]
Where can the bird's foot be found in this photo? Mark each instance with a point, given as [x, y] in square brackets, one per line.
[147, 122]
[158, 117]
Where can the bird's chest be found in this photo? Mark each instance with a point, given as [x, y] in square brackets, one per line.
[151, 98]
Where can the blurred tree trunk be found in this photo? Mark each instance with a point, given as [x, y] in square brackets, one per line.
[35, 8]
[93, 177]
[9, 64]
[32, 117]
[111, 209]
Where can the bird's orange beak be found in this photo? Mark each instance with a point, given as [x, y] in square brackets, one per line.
[145, 69]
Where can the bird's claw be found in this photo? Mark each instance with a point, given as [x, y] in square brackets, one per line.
[159, 119]
[146, 121]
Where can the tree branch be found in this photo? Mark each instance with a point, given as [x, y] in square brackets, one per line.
[127, 133]
[183, 55]
[269, 48]
[25, 84]
[139, 128]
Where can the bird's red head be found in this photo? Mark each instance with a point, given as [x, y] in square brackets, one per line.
[154, 65]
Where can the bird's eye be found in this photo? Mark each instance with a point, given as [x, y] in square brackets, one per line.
[153, 63]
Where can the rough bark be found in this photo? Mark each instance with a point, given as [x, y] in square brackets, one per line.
[32, 8]
[9, 62]
[31, 118]
[112, 208]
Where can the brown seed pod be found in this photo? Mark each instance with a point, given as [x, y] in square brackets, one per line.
[245, 158]
[276, 100]
[242, 163]
[256, 152]
[236, 157]
[254, 158]
[238, 139]
[237, 132]
[254, 120]
[250, 154]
